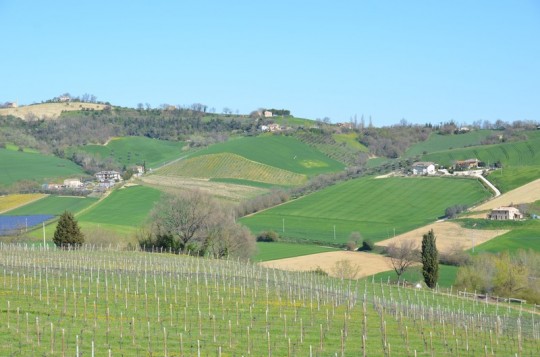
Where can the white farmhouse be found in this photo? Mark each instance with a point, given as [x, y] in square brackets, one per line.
[104, 176]
[423, 168]
[505, 213]
[73, 183]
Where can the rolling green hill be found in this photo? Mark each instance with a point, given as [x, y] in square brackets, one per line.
[135, 150]
[283, 152]
[519, 159]
[231, 166]
[437, 142]
[373, 207]
[17, 166]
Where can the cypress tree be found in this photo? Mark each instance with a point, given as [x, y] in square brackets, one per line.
[430, 259]
[67, 231]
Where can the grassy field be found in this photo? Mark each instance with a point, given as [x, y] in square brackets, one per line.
[18, 166]
[512, 177]
[54, 205]
[447, 275]
[280, 250]
[127, 207]
[10, 202]
[104, 302]
[231, 166]
[350, 139]
[135, 150]
[283, 152]
[373, 207]
[436, 142]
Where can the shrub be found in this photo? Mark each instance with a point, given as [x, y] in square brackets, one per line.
[268, 236]
[367, 245]
[351, 245]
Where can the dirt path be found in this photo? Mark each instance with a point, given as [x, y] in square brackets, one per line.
[525, 194]
[449, 235]
[366, 263]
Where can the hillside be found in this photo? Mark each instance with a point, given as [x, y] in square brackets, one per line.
[18, 166]
[437, 142]
[230, 166]
[373, 207]
[108, 302]
[135, 150]
[49, 110]
[282, 152]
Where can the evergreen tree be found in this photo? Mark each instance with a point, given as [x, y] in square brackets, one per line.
[67, 231]
[430, 259]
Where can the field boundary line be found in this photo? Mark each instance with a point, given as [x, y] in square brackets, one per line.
[24, 204]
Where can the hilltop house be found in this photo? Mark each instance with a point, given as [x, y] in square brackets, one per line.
[423, 168]
[267, 114]
[505, 213]
[11, 105]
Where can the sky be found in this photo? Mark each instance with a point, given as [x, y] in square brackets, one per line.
[422, 61]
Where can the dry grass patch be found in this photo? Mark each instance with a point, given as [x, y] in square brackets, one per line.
[334, 263]
[48, 110]
[525, 194]
[10, 202]
[449, 235]
[218, 189]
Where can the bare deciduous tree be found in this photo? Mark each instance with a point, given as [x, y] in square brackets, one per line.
[402, 255]
[194, 222]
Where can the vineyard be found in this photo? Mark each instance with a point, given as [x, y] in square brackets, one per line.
[105, 302]
[231, 166]
[343, 148]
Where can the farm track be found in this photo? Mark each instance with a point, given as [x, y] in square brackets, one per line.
[527, 193]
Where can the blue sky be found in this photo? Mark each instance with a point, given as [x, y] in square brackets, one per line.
[425, 61]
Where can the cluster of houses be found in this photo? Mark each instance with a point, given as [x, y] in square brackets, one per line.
[430, 168]
[103, 181]
[271, 128]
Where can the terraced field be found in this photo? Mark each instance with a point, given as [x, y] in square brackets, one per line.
[283, 152]
[134, 150]
[44, 168]
[373, 207]
[230, 166]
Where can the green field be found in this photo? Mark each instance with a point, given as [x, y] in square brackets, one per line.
[126, 207]
[54, 205]
[111, 303]
[18, 166]
[280, 250]
[135, 150]
[373, 207]
[283, 152]
[447, 275]
[437, 142]
[509, 178]
[350, 139]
